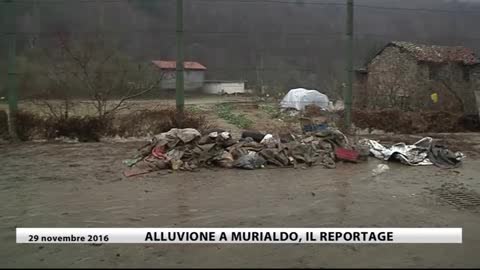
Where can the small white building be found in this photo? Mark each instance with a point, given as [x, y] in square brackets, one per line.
[193, 75]
[223, 87]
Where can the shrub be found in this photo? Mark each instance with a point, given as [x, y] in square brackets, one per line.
[28, 125]
[3, 125]
[394, 120]
[157, 121]
[86, 129]
[92, 128]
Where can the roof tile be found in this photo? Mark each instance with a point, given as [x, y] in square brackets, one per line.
[173, 65]
[439, 54]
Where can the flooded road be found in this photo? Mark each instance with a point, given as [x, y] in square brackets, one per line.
[81, 185]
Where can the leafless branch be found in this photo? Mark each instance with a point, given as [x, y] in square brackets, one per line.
[80, 66]
[131, 96]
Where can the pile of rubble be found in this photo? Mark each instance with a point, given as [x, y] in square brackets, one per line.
[321, 143]
[187, 149]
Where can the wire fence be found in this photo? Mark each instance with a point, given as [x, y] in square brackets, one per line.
[272, 45]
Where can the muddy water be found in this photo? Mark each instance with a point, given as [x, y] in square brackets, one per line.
[81, 185]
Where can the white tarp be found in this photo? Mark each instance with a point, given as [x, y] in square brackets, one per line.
[300, 97]
[423, 152]
[416, 154]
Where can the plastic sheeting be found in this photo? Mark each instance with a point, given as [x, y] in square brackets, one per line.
[423, 152]
[415, 154]
[300, 97]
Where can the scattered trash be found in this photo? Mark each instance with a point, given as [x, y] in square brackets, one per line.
[313, 124]
[443, 157]
[133, 161]
[423, 152]
[270, 141]
[256, 136]
[159, 151]
[225, 160]
[188, 150]
[286, 137]
[250, 161]
[346, 154]
[268, 138]
[213, 135]
[413, 155]
[225, 135]
[337, 106]
[313, 127]
[381, 168]
[363, 149]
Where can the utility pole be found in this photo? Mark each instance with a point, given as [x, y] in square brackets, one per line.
[179, 93]
[36, 21]
[347, 95]
[456, 16]
[11, 38]
[259, 72]
[101, 21]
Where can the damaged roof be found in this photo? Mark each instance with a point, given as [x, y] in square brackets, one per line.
[173, 65]
[438, 54]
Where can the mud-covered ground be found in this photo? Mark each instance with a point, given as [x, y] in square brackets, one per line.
[81, 185]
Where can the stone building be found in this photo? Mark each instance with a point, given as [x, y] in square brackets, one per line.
[405, 75]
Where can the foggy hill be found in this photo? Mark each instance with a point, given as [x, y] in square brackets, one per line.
[283, 43]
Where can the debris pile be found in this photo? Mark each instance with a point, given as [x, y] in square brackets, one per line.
[187, 149]
[320, 144]
[423, 152]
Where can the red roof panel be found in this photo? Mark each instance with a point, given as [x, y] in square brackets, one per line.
[173, 65]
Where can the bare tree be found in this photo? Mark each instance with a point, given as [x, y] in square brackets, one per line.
[94, 69]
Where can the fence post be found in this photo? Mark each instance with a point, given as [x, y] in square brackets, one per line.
[348, 90]
[12, 68]
[179, 93]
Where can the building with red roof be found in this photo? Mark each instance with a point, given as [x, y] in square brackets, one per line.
[194, 74]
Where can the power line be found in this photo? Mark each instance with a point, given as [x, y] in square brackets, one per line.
[70, 1]
[416, 9]
[279, 33]
[314, 3]
[323, 3]
[343, 5]
[93, 32]
[224, 34]
[311, 34]
[216, 1]
[126, 72]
